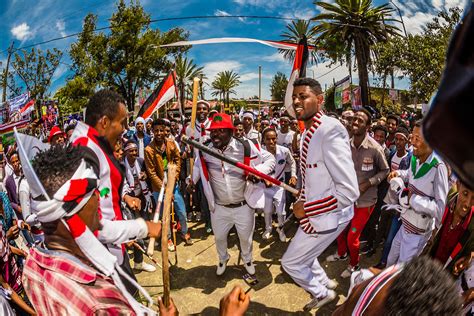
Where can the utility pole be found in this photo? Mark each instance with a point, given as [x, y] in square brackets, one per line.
[201, 86]
[5, 79]
[259, 90]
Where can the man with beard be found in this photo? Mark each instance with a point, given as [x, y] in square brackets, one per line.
[427, 180]
[56, 136]
[141, 138]
[249, 131]
[371, 168]
[232, 199]
[329, 190]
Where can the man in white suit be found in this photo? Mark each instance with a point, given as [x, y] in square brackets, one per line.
[329, 190]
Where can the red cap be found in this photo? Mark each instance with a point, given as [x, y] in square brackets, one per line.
[53, 132]
[221, 121]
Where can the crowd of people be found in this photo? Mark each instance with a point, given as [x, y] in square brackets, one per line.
[364, 181]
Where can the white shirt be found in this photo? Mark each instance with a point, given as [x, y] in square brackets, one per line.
[141, 148]
[429, 191]
[395, 163]
[253, 134]
[286, 139]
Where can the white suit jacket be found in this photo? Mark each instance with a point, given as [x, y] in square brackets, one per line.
[329, 181]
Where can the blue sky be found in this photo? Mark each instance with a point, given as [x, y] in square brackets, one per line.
[29, 22]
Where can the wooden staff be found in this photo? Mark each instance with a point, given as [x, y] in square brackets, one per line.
[164, 232]
[156, 216]
[174, 233]
[193, 126]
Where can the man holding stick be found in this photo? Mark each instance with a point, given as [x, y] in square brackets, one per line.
[329, 190]
[232, 198]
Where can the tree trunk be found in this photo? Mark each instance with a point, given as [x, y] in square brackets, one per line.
[181, 96]
[361, 53]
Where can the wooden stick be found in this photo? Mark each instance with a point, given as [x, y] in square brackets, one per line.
[193, 127]
[164, 232]
[156, 216]
[174, 234]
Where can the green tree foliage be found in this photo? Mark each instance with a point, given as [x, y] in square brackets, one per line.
[423, 56]
[355, 25]
[128, 57]
[186, 70]
[224, 84]
[278, 86]
[35, 69]
[293, 33]
[74, 95]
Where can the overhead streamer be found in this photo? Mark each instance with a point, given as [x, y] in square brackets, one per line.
[221, 40]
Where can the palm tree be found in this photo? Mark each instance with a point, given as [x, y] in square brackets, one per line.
[278, 86]
[186, 70]
[224, 84]
[293, 33]
[358, 25]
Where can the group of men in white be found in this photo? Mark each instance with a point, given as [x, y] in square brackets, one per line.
[329, 188]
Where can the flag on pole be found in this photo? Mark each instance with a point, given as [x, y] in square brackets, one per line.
[162, 94]
[28, 147]
[27, 108]
[299, 71]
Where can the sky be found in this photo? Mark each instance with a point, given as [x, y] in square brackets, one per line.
[29, 22]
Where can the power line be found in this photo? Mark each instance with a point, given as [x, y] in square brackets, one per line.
[168, 19]
[326, 73]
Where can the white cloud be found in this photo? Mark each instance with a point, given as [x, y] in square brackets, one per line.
[277, 57]
[253, 75]
[59, 72]
[211, 69]
[300, 13]
[21, 32]
[414, 23]
[61, 26]
[221, 13]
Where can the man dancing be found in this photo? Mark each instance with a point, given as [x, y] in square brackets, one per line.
[231, 198]
[329, 190]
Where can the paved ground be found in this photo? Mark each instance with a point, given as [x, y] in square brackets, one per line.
[197, 290]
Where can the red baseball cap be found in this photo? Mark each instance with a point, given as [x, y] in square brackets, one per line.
[53, 132]
[221, 121]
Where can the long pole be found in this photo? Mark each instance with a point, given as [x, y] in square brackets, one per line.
[193, 129]
[5, 79]
[238, 164]
[164, 232]
[156, 216]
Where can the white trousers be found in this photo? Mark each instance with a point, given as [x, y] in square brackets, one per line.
[300, 260]
[274, 197]
[223, 219]
[405, 246]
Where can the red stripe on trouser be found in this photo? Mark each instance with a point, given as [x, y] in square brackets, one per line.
[349, 238]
